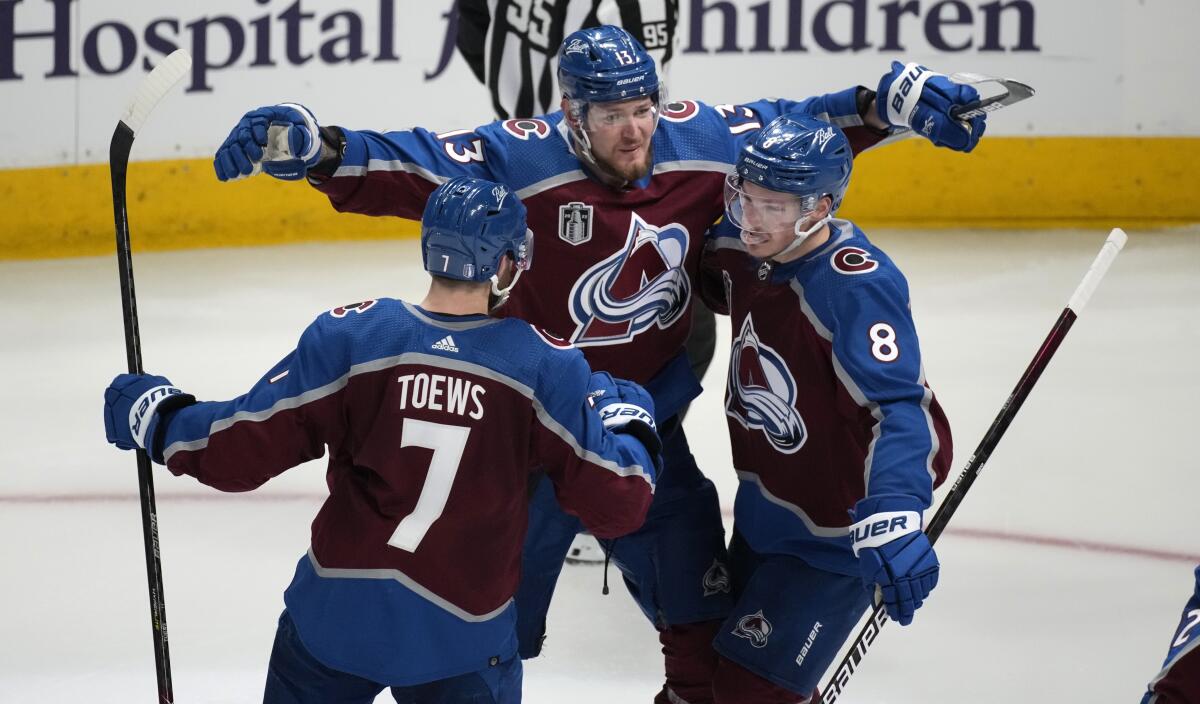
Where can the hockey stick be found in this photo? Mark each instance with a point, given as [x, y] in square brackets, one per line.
[1010, 92]
[1002, 93]
[878, 616]
[152, 89]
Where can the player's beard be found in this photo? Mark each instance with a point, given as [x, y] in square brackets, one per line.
[628, 171]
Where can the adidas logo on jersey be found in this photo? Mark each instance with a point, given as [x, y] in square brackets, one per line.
[446, 344]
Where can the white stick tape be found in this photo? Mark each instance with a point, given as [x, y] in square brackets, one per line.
[1112, 247]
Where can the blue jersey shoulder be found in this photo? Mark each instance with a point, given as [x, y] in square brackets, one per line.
[528, 151]
[562, 371]
[851, 264]
[689, 130]
[360, 332]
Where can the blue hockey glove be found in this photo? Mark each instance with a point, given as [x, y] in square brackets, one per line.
[625, 407]
[894, 553]
[913, 96]
[283, 140]
[134, 405]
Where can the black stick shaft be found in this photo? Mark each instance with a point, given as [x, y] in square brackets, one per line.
[992, 437]
[119, 149]
[870, 630]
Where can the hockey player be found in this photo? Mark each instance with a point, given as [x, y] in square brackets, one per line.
[837, 440]
[1179, 680]
[621, 186]
[512, 48]
[435, 415]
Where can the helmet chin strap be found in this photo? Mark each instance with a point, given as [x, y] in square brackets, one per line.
[501, 294]
[583, 143]
[802, 236]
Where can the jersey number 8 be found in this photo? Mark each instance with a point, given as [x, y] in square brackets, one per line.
[883, 342]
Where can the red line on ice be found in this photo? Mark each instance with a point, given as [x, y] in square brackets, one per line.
[311, 497]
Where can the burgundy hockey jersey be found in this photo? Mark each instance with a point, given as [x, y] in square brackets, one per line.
[826, 399]
[433, 426]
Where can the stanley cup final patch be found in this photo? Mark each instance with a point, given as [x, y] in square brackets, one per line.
[575, 222]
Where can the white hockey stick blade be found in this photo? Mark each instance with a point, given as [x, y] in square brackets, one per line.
[154, 86]
[1003, 92]
[1112, 247]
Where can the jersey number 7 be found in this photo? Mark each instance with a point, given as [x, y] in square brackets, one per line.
[448, 443]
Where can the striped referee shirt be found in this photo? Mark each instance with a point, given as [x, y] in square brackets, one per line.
[512, 45]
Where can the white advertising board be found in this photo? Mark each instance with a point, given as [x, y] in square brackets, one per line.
[67, 67]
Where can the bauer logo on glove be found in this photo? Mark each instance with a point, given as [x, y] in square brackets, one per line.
[618, 414]
[882, 528]
[144, 408]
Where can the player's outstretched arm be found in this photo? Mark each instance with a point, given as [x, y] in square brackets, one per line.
[365, 172]
[908, 97]
[287, 418]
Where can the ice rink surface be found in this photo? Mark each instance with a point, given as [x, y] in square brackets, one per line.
[1063, 573]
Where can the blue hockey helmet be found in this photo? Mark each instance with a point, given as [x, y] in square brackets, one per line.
[468, 225]
[799, 158]
[603, 64]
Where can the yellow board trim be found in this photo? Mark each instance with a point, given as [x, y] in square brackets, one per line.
[1008, 182]
[1030, 183]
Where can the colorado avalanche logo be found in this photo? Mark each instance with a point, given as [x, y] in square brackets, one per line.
[680, 111]
[361, 307]
[716, 579]
[552, 339]
[762, 392]
[525, 128]
[642, 285]
[853, 261]
[754, 628]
